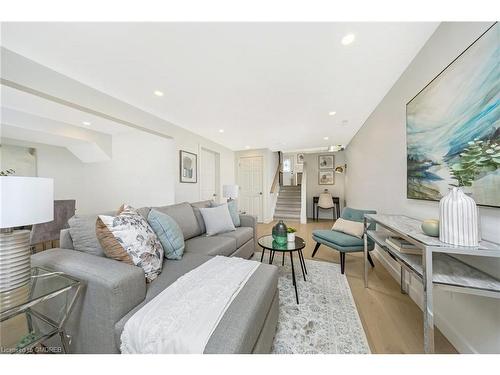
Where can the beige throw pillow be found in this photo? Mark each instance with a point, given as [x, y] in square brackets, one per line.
[353, 228]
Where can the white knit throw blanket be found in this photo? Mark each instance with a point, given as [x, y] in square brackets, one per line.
[182, 318]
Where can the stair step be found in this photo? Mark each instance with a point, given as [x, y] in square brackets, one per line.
[287, 209]
[286, 206]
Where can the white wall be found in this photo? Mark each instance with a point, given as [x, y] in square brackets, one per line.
[33, 76]
[376, 178]
[270, 164]
[140, 173]
[313, 187]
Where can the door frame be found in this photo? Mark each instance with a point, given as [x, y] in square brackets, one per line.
[217, 172]
[262, 218]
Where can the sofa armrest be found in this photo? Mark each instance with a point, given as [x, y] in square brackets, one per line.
[248, 221]
[112, 289]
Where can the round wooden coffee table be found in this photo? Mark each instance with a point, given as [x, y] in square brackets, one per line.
[268, 243]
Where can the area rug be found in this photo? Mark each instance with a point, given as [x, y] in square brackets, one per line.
[326, 321]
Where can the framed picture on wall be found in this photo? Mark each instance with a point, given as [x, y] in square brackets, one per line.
[188, 164]
[326, 178]
[326, 161]
[300, 158]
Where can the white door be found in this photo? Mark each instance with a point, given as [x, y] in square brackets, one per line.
[208, 175]
[288, 163]
[250, 172]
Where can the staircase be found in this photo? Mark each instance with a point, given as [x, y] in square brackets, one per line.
[288, 204]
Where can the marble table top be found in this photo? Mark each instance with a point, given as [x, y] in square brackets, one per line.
[411, 227]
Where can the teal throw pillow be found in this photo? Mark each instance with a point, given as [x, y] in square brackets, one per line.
[232, 206]
[169, 233]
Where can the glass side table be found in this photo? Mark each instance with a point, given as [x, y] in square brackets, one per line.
[37, 311]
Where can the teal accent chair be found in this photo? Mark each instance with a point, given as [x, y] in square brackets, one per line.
[345, 243]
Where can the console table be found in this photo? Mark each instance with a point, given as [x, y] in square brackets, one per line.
[436, 267]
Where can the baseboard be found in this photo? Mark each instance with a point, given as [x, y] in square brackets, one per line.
[415, 293]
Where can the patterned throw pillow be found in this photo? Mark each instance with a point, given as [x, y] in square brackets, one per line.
[127, 237]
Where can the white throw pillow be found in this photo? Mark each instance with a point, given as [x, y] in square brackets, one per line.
[217, 219]
[353, 228]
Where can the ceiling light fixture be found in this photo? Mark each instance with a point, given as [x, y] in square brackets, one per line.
[86, 123]
[221, 130]
[325, 138]
[332, 113]
[158, 93]
[348, 39]
[335, 148]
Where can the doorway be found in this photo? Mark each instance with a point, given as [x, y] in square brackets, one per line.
[250, 180]
[209, 175]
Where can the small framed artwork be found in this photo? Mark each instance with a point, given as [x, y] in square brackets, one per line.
[188, 167]
[300, 158]
[326, 178]
[326, 161]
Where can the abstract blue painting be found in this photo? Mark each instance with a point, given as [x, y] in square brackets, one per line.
[452, 127]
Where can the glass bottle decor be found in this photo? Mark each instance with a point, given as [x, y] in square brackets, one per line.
[280, 233]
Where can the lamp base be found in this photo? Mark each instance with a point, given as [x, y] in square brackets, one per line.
[15, 260]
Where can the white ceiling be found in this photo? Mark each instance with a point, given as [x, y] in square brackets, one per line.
[266, 84]
[28, 103]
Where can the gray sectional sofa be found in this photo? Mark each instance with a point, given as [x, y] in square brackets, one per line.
[114, 290]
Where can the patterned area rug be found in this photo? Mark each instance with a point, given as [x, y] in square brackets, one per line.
[326, 321]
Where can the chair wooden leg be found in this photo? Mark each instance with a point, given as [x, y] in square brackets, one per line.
[342, 262]
[370, 259]
[333, 212]
[315, 249]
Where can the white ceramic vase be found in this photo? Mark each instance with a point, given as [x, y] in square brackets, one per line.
[290, 237]
[458, 221]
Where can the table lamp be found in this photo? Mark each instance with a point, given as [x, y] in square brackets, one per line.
[230, 191]
[23, 201]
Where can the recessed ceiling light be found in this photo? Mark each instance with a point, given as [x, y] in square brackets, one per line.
[87, 123]
[332, 113]
[325, 138]
[348, 39]
[158, 93]
[221, 130]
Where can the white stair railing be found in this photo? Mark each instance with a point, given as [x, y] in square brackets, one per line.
[303, 196]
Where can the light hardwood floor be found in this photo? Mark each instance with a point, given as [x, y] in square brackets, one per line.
[392, 321]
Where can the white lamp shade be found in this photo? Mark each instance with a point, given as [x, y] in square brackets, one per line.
[25, 201]
[230, 191]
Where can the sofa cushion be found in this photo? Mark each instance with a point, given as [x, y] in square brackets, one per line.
[135, 241]
[215, 245]
[83, 233]
[196, 208]
[183, 214]
[217, 219]
[242, 235]
[169, 233]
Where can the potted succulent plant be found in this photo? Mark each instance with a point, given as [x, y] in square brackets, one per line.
[291, 234]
